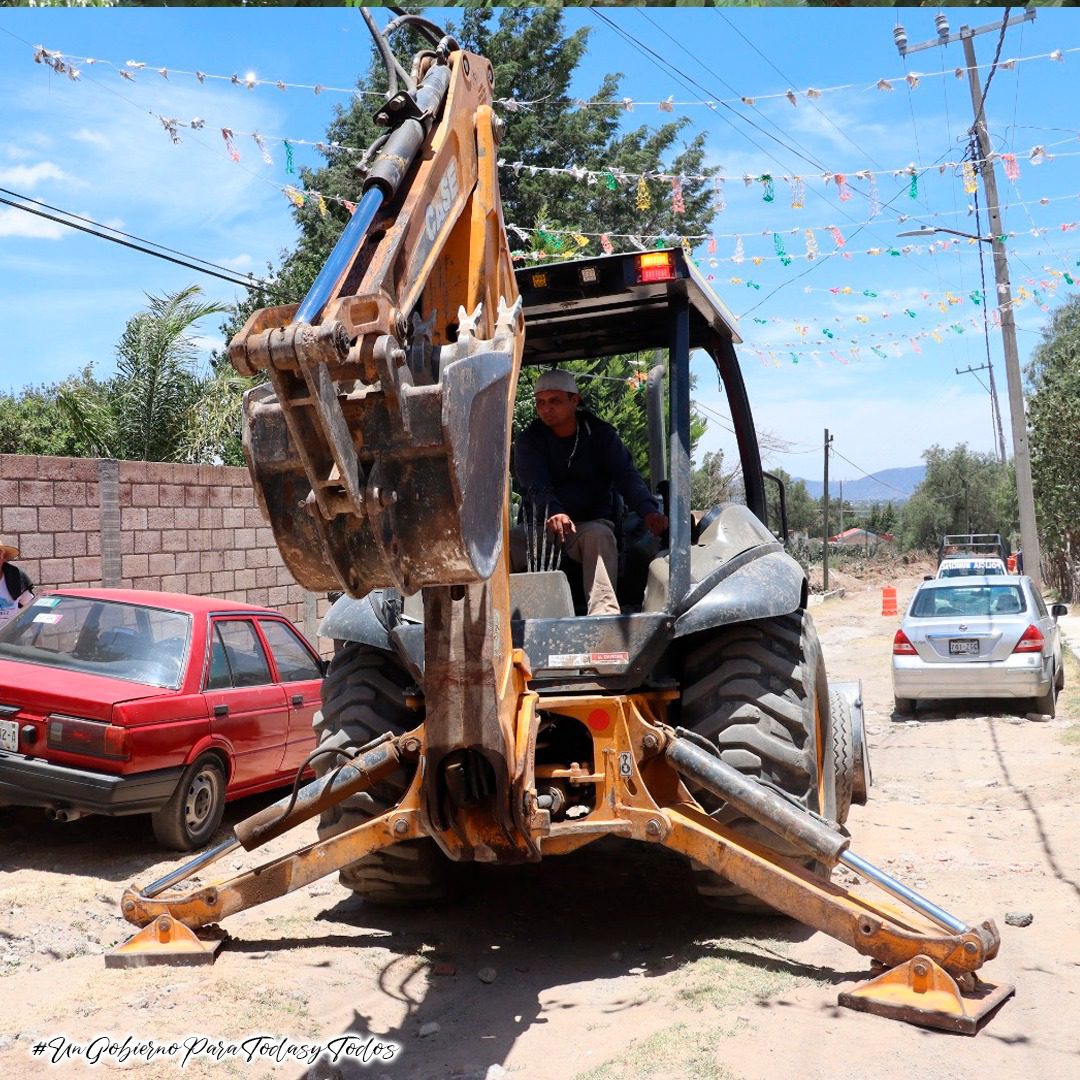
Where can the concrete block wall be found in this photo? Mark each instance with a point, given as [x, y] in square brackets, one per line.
[90, 523]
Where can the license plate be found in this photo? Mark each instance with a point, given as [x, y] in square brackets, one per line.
[964, 647]
[9, 735]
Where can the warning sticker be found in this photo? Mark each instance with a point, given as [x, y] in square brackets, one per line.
[572, 659]
[594, 659]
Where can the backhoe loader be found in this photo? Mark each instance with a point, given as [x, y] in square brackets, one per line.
[470, 714]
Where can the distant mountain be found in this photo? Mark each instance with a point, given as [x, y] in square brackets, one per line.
[896, 485]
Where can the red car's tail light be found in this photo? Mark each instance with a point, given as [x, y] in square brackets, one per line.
[655, 266]
[1031, 640]
[901, 646]
[93, 737]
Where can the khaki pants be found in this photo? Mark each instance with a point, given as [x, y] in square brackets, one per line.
[594, 546]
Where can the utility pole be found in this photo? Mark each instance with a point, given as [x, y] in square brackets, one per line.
[994, 407]
[1029, 537]
[825, 539]
[841, 529]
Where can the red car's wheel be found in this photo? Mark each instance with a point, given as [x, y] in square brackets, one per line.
[191, 816]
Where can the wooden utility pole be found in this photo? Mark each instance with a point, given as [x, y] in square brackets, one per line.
[825, 539]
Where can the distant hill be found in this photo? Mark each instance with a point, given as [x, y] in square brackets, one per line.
[896, 485]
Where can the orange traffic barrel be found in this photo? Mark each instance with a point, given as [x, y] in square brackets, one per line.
[888, 600]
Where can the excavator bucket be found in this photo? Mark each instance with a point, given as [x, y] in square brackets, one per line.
[428, 506]
[379, 448]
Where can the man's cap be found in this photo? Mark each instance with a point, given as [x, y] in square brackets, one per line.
[8, 551]
[557, 379]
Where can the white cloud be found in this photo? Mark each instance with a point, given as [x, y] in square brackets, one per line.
[94, 138]
[239, 262]
[29, 176]
[19, 223]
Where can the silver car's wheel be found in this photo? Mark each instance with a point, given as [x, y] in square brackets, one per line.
[1047, 703]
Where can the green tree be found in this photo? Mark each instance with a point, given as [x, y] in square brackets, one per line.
[147, 410]
[1054, 420]
[962, 491]
[34, 422]
[711, 483]
[802, 511]
[882, 519]
[534, 62]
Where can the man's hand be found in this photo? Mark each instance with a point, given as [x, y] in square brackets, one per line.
[561, 526]
[656, 523]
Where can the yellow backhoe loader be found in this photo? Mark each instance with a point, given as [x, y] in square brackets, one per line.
[471, 714]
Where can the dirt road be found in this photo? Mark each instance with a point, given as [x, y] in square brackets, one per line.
[586, 966]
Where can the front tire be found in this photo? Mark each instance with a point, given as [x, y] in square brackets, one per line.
[363, 697]
[194, 810]
[758, 690]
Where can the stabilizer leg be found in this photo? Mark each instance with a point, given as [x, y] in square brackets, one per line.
[924, 993]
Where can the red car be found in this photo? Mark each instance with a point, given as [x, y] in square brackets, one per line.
[114, 701]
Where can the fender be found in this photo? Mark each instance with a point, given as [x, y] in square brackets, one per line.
[219, 745]
[352, 619]
[760, 583]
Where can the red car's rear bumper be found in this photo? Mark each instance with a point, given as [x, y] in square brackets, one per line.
[33, 782]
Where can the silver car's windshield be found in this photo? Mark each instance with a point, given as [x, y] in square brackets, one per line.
[100, 637]
[968, 600]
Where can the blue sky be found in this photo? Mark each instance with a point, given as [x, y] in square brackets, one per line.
[98, 148]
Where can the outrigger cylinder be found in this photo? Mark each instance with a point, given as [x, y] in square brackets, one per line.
[802, 830]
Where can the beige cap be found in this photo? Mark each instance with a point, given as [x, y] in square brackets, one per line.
[557, 379]
[7, 551]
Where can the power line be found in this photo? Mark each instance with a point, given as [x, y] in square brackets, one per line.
[136, 243]
[828, 119]
[868, 476]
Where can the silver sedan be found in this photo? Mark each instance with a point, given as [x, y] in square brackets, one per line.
[978, 637]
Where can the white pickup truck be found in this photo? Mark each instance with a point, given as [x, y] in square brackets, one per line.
[970, 566]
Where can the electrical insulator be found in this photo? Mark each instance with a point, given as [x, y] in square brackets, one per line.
[941, 21]
[900, 37]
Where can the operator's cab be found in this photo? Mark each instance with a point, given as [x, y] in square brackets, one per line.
[724, 567]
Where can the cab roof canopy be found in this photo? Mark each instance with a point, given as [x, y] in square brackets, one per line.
[598, 307]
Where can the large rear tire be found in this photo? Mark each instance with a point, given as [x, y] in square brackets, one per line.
[363, 697]
[758, 690]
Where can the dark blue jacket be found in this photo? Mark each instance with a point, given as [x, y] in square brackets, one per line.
[578, 475]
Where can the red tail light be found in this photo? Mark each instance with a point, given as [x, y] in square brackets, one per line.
[87, 737]
[655, 266]
[1031, 640]
[901, 646]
